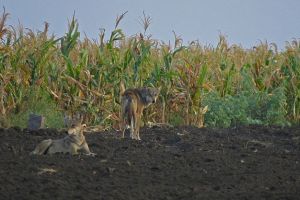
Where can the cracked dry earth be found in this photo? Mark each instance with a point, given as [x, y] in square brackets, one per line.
[252, 162]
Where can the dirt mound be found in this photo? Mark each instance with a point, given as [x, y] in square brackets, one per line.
[169, 163]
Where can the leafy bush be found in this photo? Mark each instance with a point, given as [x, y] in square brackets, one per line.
[246, 108]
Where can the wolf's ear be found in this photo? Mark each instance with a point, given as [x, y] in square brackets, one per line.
[77, 119]
[159, 89]
[122, 87]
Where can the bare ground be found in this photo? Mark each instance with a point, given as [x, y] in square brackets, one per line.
[252, 162]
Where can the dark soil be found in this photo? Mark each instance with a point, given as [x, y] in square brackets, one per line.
[252, 162]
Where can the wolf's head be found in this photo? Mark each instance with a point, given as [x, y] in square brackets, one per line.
[150, 95]
[76, 129]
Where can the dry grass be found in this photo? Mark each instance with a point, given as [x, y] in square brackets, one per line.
[83, 75]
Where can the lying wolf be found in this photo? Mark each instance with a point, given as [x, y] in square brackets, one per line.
[74, 141]
[133, 102]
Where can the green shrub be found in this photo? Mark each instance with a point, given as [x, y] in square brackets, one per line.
[40, 103]
[246, 108]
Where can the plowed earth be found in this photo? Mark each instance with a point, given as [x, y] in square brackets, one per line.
[252, 162]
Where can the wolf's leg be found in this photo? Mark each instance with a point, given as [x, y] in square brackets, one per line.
[73, 149]
[123, 132]
[138, 123]
[123, 123]
[123, 128]
[86, 150]
[42, 147]
[137, 128]
[132, 128]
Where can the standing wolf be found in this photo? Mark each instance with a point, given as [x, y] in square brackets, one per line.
[74, 141]
[133, 102]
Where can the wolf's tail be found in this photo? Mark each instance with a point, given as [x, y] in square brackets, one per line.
[122, 88]
[121, 112]
[42, 147]
[127, 110]
[129, 115]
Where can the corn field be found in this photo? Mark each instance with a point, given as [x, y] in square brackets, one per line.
[202, 85]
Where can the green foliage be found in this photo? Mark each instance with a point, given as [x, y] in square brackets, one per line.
[67, 75]
[276, 108]
[246, 108]
[40, 103]
[69, 41]
[176, 119]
